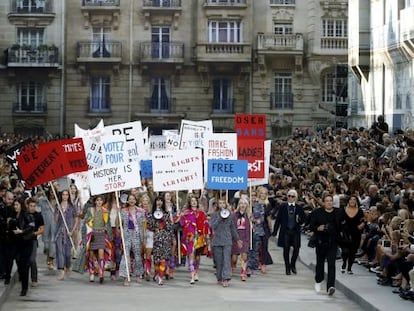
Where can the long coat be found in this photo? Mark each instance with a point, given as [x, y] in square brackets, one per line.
[282, 222]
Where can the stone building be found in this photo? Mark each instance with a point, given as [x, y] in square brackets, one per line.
[381, 55]
[161, 61]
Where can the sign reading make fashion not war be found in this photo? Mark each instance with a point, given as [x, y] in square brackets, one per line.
[52, 160]
[177, 170]
[227, 174]
[117, 172]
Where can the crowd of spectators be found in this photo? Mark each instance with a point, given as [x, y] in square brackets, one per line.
[376, 169]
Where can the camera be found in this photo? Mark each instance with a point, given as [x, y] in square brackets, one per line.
[386, 243]
[401, 244]
[401, 226]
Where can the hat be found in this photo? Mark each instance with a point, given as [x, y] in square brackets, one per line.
[409, 178]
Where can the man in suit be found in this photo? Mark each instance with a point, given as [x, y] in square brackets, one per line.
[288, 220]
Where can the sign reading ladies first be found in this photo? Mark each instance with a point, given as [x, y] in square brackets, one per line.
[117, 172]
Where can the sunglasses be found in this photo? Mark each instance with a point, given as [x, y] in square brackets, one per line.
[291, 196]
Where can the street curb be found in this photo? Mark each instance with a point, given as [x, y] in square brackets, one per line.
[348, 292]
[5, 291]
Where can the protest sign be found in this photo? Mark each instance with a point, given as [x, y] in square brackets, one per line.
[192, 133]
[227, 174]
[263, 181]
[14, 151]
[252, 150]
[178, 170]
[134, 138]
[250, 126]
[117, 172]
[146, 169]
[52, 160]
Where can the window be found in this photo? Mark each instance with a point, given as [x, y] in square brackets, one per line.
[160, 95]
[221, 31]
[222, 95]
[30, 6]
[283, 98]
[226, 1]
[100, 94]
[335, 28]
[30, 97]
[30, 36]
[101, 42]
[282, 1]
[283, 29]
[160, 42]
[327, 89]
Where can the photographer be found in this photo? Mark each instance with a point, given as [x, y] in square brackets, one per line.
[379, 128]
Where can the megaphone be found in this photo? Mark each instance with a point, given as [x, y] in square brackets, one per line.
[224, 213]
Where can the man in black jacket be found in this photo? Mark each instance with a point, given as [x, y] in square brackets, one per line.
[6, 212]
[289, 218]
[325, 226]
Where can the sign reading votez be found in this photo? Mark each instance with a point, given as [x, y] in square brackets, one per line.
[178, 170]
[52, 160]
[117, 172]
[227, 174]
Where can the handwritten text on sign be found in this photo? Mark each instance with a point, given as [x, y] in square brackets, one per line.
[178, 170]
[227, 174]
[117, 172]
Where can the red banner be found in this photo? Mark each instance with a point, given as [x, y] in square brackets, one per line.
[253, 151]
[250, 126]
[52, 160]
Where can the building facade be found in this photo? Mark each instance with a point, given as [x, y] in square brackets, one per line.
[381, 56]
[161, 61]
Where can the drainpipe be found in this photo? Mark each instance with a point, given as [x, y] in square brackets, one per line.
[63, 69]
[252, 59]
[131, 28]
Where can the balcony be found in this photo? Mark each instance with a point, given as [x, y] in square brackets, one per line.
[155, 52]
[223, 52]
[407, 29]
[223, 106]
[281, 101]
[282, 3]
[94, 11]
[280, 44]
[225, 3]
[169, 10]
[99, 52]
[37, 12]
[29, 109]
[26, 56]
[332, 43]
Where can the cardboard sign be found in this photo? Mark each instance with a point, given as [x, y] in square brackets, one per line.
[14, 151]
[146, 169]
[227, 174]
[192, 133]
[252, 150]
[250, 126]
[117, 172]
[263, 181]
[134, 138]
[52, 160]
[178, 170]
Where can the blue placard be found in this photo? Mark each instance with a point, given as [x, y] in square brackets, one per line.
[227, 174]
[146, 168]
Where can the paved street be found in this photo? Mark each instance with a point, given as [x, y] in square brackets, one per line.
[270, 291]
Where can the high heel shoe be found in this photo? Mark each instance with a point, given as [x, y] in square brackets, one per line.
[23, 292]
[101, 279]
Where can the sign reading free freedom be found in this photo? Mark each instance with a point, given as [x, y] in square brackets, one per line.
[227, 174]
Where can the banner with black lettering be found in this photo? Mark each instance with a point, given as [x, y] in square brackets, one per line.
[178, 170]
[14, 151]
[117, 172]
[52, 160]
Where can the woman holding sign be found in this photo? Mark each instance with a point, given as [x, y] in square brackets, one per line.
[99, 246]
[133, 222]
[160, 223]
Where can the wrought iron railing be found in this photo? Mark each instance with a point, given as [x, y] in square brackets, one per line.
[102, 49]
[157, 50]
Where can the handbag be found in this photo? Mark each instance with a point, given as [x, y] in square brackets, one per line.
[312, 241]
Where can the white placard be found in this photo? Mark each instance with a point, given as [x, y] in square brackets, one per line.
[265, 180]
[178, 170]
[192, 133]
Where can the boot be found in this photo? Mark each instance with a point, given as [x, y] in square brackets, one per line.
[101, 270]
[243, 270]
[91, 268]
